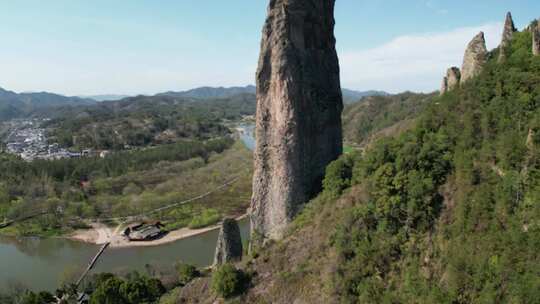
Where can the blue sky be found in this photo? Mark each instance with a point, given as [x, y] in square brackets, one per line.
[80, 47]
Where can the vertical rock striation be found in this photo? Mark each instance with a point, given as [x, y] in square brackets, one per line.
[444, 86]
[451, 80]
[536, 38]
[454, 77]
[229, 244]
[475, 57]
[299, 105]
[508, 33]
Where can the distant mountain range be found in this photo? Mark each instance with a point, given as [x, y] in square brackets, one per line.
[212, 92]
[13, 105]
[16, 105]
[349, 96]
[106, 97]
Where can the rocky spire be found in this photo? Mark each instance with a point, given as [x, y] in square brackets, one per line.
[229, 244]
[299, 105]
[451, 80]
[454, 77]
[508, 33]
[444, 86]
[536, 38]
[475, 57]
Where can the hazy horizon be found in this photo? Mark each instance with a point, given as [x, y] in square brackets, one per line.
[77, 48]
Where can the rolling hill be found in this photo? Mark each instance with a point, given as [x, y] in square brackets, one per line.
[15, 105]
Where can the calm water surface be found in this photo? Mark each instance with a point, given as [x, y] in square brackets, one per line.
[41, 264]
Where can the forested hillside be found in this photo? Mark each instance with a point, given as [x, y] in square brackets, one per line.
[445, 213]
[146, 120]
[14, 105]
[162, 150]
[378, 116]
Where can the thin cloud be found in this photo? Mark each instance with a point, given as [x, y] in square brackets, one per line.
[431, 5]
[412, 62]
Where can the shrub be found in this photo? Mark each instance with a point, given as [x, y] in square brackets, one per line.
[38, 298]
[137, 288]
[186, 273]
[206, 218]
[338, 175]
[227, 281]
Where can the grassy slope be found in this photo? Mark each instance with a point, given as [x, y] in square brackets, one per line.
[389, 115]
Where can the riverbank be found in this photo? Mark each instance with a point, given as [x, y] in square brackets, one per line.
[101, 234]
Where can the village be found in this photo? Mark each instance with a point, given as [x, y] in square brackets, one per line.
[27, 139]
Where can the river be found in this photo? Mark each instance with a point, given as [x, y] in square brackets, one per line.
[41, 264]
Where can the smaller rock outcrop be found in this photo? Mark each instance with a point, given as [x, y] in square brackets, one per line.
[475, 58]
[229, 243]
[508, 33]
[536, 38]
[444, 86]
[453, 76]
[451, 80]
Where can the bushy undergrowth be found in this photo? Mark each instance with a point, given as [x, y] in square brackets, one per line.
[453, 207]
[186, 273]
[227, 281]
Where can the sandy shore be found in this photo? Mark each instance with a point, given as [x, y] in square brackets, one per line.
[101, 234]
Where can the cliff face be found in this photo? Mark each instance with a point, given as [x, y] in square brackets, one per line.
[536, 39]
[454, 77]
[508, 33]
[444, 85]
[475, 57]
[299, 105]
[451, 80]
[229, 244]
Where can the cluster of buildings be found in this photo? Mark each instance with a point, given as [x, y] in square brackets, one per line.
[28, 140]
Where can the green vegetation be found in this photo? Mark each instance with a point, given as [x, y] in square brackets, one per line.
[165, 150]
[136, 288]
[227, 281]
[338, 176]
[387, 115]
[206, 218]
[38, 298]
[127, 183]
[146, 120]
[186, 273]
[451, 207]
[347, 149]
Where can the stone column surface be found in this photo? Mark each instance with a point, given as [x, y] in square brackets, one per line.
[508, 33]
[475, 58]
[444, 85]
[229, 243]
[536, 39]
[299, 105]
[453, 76]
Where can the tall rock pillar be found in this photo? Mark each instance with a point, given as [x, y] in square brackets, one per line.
[508, 33]
[475, 58]
[299, 105]
[536, 38]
